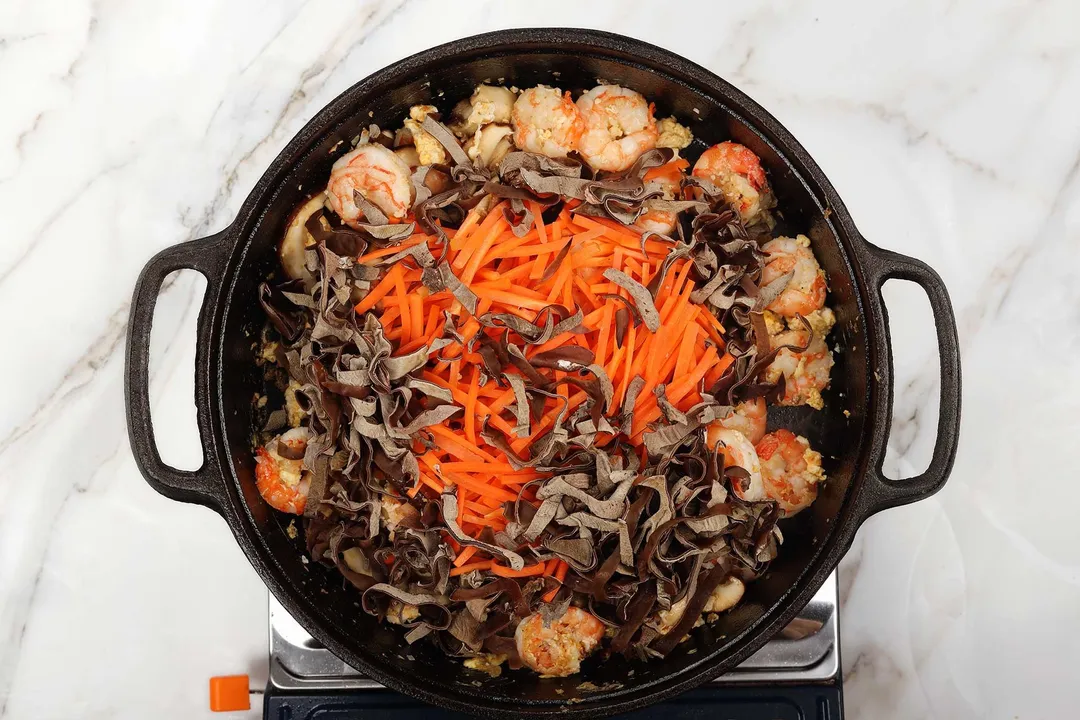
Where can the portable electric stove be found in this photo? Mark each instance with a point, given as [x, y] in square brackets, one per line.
[796, 676]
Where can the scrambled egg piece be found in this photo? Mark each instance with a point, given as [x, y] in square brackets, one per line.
[672, 134]
[773, 322]
[268, 352]
[812, 458]
[821, 321]
[486, 663]
[427, 147]
[399, 613]
[393, 512]
[292, 405]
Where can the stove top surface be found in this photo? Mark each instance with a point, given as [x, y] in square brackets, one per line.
[807, 651]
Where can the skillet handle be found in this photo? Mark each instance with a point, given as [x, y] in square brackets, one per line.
[881, 492]
[203, 486]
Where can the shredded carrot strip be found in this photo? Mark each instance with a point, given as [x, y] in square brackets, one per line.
[469, 245]
[467, 225]
[470, 406]
[514, 275]
[686, 349]
[605, 331]
[416, 314]
[464, 555]
[560, 575]
[485, 245]
[376, 293]
[527, 571]
[405, 244]
[482, 565]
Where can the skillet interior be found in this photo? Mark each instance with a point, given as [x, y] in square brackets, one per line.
[442, 77]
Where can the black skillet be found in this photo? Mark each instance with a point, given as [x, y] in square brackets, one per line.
[237, 258]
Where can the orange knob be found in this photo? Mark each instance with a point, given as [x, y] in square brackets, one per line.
[229, 693]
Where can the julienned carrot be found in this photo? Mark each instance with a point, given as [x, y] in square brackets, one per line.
[482, 288]
[377, 293]
[507, 274]
[416, 314]
[537, 212]
[461, 570]
[686, 349]
[435, 485]
[508, 244]
[527, 571]
[457, 445]
[470, 221]
[481, 521]
[647, 409]
[482, 250]
[605, 331]
[467, 246]
[393, 249]
[507, 297]
[464, 555]
[560, 575]
[561, 278]
[718, 370]
[469, 417]
[479, 487]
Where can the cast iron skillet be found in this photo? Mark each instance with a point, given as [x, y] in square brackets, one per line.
[237, 258]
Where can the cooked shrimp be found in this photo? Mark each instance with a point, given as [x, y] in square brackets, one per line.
[546, 121]
[379, 175]
[619, 127]
[556, 649]
[279, 471]
[805, 293]
[668, 179]
[748, 418]
[790, 469]
[805, 373]
[740, 452]
[737, 171]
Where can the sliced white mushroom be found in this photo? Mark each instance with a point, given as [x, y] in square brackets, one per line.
[409, 154]
[297, 239]
[726, 596]
[490, 144]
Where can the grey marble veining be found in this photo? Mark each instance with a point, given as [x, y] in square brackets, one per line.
[949, 128]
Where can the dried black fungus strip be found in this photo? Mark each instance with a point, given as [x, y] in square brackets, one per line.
[446, 138]
[555, 264]
[450, 515]
[642, 298]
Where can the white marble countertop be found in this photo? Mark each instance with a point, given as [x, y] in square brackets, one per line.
[949, 128]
